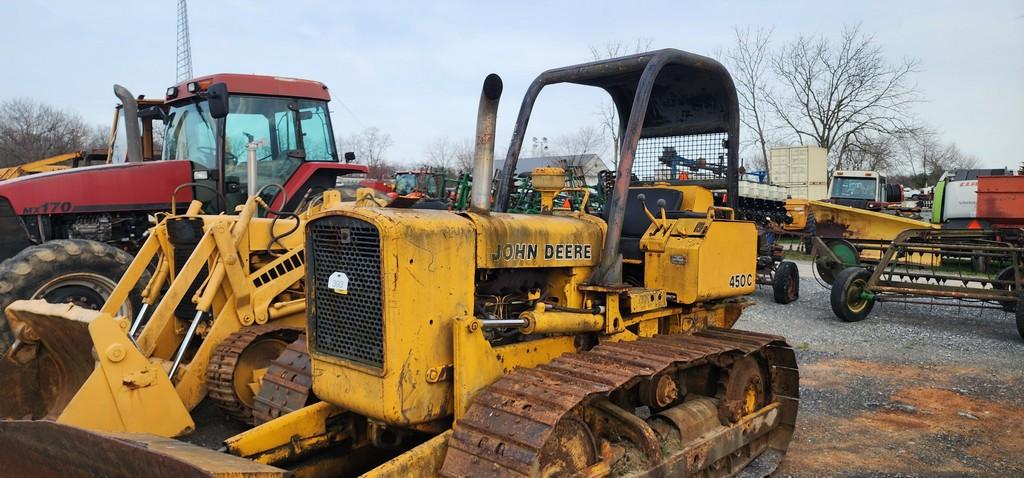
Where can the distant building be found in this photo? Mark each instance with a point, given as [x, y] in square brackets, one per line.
[586, 165]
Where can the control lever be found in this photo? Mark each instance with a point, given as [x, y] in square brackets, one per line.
[654, 220]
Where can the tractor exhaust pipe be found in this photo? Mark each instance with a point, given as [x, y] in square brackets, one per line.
[132, 134]
[483, 154]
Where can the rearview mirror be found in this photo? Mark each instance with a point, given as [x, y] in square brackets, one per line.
[350, 156]
[217, 98]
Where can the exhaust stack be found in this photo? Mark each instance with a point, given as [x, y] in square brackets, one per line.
[483, 154]
[132, 134]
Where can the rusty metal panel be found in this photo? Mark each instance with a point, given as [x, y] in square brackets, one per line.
[642, 300]
[1001, 199]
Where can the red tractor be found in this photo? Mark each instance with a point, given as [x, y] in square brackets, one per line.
[69, 235]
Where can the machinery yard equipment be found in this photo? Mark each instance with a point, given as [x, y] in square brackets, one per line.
[842, 236]
[227, 299]
[899, 277]
[69, 235]
[494, 344]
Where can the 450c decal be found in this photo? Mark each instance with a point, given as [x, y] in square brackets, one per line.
[737, 281]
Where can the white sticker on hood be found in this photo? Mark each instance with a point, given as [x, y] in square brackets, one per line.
[338, 282]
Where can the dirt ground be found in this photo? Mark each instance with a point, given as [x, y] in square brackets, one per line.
[912, 391]
[925, 425]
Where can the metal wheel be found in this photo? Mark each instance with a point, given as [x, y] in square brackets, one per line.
[848, 257]
[84, 289]
[743, 390]
[848, 300]
[238, 364]
[570, 449]
[252, 364]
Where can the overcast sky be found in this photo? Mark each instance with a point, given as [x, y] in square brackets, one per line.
[414, 69]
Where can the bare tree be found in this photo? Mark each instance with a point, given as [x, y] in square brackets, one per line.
[609, 116]
[872, 153]
[924, 157]
[836, 94]
[749, 60]
[576, 150]
[370, 147]
[440, 154]
[98, 137]
[464, 154]
[30, 130]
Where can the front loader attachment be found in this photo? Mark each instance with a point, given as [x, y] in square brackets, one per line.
[47, 449]
[87, 372]
[47, 367]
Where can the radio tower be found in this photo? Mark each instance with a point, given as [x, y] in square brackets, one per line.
[184, 44]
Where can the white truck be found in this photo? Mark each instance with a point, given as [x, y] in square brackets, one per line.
[863, 190]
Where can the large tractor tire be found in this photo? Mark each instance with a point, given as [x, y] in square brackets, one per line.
[78, 271]
[847, 302]
[786, 286]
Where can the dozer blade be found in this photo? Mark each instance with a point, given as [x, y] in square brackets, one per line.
[43, 373]
[47, 449]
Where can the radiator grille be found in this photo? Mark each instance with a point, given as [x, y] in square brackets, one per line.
[348, 326]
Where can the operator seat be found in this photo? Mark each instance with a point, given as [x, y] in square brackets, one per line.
[636, 221]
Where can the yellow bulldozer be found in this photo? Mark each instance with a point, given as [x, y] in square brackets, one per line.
[485, 343]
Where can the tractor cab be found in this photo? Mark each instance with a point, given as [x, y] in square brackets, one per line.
[149, 111]
[428, 183]
[250, 134]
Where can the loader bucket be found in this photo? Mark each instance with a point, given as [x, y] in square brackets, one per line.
[47, 449]
[50, 363]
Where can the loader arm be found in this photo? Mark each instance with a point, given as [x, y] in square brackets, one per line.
[149, 383]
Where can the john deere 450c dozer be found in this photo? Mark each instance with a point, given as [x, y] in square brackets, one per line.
[493, 344]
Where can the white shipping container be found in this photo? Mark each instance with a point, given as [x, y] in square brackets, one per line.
[814, 192]
[802, 170]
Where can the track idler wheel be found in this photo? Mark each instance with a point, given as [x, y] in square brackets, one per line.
[571, 449]
[743, 390]
[238, 364]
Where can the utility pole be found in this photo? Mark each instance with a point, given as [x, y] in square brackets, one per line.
[184, 70]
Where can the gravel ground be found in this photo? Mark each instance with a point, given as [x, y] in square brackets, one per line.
[913, 390]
